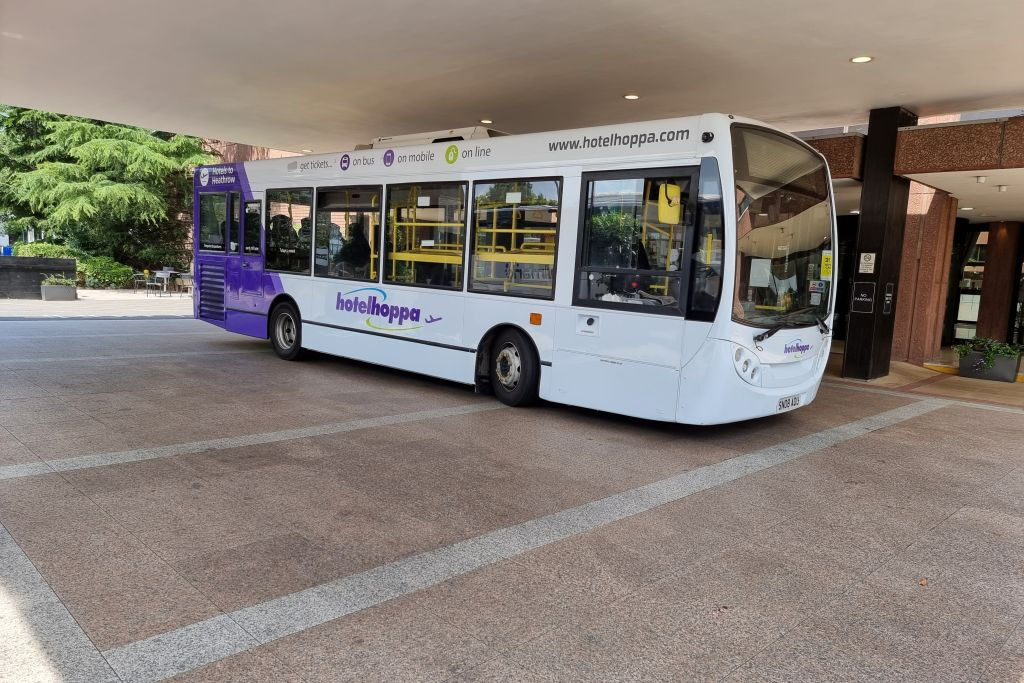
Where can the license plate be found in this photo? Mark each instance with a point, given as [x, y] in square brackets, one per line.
[787, 403]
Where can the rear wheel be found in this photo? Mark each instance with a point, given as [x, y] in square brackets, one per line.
[515, 369]
[286, 331]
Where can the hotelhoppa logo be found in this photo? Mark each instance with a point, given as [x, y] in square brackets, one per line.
[797, 348]
[374, 307]
[204, 176]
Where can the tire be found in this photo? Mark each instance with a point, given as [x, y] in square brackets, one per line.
[286, 331]
[515, 369]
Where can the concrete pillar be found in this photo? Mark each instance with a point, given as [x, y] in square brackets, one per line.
[997, 285]
[924, 274]
[883, 214]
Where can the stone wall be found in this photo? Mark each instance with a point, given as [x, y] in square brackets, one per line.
[20, 276]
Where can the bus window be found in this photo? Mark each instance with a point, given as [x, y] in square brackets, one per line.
[632, 241]
[515, 231]
[289, 230]
[234, 229]
[213, 213]
[425, 234]
[346, 231]
[252, 227]
[706, 263]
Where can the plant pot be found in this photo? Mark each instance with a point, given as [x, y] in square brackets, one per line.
[1004, 369]
[58, 292]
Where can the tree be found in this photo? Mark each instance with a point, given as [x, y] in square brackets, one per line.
[107, 189]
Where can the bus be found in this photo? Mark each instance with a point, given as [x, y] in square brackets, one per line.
[679, 270]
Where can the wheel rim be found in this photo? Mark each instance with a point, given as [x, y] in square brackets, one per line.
[508, 366]
[285, 331]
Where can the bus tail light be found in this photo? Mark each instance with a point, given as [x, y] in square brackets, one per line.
[747, 366]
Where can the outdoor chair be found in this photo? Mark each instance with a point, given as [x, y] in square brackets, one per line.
[154, 284]
[138, 280]
[185, 285]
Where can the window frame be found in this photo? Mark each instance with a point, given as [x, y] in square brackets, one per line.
[679, 310]
[199, 224]
[259, 232]
[465, 227]
[266, 218]
[471, 238]
[380, 245]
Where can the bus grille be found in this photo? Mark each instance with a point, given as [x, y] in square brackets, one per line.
[211, 291]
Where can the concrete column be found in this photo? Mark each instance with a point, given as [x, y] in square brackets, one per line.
[997, 284]
[883, 214]
[924, 274]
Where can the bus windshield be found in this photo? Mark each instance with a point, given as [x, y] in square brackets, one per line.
[783, 231]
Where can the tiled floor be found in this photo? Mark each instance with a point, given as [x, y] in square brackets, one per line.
[876, 534]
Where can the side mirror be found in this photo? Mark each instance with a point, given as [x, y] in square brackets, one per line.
[669, 204]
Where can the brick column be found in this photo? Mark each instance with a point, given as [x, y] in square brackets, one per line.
[924, 274]
[997, 284]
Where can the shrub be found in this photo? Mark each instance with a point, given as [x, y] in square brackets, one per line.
[989, 349]
[102, 272]
[58, 280]
[97, 272]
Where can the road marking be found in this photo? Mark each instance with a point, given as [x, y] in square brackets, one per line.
[918, 397]
[54, 359]
[39, 639]
[190, 647]
[135, 455]
[212, 331]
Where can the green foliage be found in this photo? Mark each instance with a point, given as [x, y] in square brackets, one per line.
[989, 350]
[611, 238]
[102, 272]
[106, 189]
[97, 272]
[57, 280]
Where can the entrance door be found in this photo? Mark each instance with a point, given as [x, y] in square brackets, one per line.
[619, 348]
[252, 255]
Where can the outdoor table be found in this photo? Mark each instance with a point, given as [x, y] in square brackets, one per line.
[166, 276]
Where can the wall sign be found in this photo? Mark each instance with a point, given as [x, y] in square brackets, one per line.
[888, 298]
[867, 262]
[863, 297]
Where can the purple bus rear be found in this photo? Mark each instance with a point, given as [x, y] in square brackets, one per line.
[232, 290]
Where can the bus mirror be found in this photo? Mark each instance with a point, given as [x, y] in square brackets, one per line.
[668, 204]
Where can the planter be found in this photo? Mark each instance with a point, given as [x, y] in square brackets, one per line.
[58, 292]
[1004, 369]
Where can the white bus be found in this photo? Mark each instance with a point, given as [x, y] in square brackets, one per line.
[677, 270]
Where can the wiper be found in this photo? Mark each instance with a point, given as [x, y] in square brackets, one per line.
[769, 332]
[822, 327]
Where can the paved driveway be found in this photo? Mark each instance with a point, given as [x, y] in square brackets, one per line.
[175, 501]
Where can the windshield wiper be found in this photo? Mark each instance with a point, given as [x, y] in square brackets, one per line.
[822, 327]
[769, 332]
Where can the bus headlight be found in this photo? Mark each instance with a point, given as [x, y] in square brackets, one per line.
[747, 366]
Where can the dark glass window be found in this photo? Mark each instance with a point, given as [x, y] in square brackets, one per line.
[515, 230]
[347, 229]
[289, 230]
[633, 236]
[253, 211]
[425, 234]
[213, 213]
[234, 229]
[706, 262]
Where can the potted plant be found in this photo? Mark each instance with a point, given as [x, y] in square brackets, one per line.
[58, 288]
[983, 358]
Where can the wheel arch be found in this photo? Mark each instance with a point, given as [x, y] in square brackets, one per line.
[482, 376]
[277, 301]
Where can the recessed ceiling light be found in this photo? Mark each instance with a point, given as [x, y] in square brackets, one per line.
[11, 35]
[631, 97]
[967, 208]
[308, 151]
[1001, 188]
[863, 59]
[981, 178]
[486, 121]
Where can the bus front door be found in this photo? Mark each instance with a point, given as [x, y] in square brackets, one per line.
[251, 291]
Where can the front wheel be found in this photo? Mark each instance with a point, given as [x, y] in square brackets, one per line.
[515, 369]
[286, 331]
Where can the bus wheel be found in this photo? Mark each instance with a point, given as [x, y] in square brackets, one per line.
[286, 331]
[515, 369]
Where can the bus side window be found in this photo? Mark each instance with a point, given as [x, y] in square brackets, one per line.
[706, 264]
[289, 230]
[213, 211]
[425, 234]
[251, 226]
[515, 235]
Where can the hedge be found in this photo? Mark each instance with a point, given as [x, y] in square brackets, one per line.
[98, 272]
